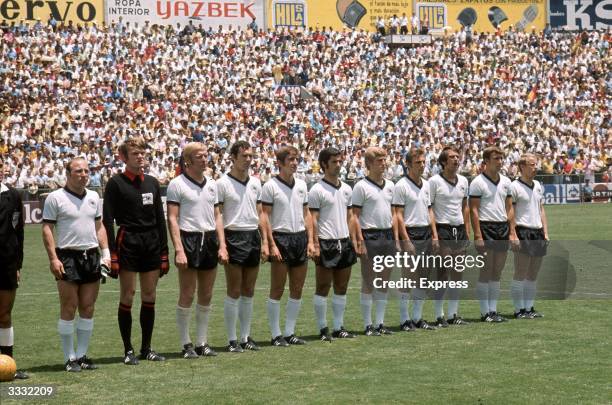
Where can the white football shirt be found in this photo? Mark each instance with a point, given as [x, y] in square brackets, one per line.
[415, 199]
[287, 202]
[447, 199]
[239, 201]
[492, 197]
[197, 202]
[375, 203]
[332, 202]
[74, 217]
[527, 201]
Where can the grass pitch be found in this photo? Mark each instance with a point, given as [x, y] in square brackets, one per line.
[562, 358]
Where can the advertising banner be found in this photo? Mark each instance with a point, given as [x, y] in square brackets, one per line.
[482, 15]
[580, 14]
[77, 11]
[171, 12]
[339, 14]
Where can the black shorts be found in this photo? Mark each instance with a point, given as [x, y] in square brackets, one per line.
[138, 251]
[420, 236]
[80, 266]
[453, 237]
[496, 235]
[337, 254]
[532, 241]
[379, 241]
[8, 279]
[243, 247]
[201, 249]
[293, 247]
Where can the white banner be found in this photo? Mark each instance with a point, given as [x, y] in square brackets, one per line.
[171, 12]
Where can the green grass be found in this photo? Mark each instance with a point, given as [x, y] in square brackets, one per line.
[562, 358]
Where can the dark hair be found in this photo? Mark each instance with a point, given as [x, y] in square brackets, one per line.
[444, 154]
[325, 155]
[69, 163]
[238, 146]
[414, 153]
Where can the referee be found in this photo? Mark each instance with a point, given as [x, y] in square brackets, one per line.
[11, 259]
[74, 260]
[133, 201]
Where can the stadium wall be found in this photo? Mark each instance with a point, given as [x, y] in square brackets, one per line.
[576, 15]
[236, 13]
[77, 11]
[482, 15]
[340, 14]
[553, 194]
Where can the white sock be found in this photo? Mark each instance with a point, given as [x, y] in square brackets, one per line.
[482, 291]
[453, 302]
[230, 314]
[403, 307]
[6, 336]
[381, 304]
[274, 317]
[439, 302]
[66, 332]
[493, 295]
[338, 305]
[418, 299]
[202, 315]
[529, 293]
[245, 314]
[516, 291]
[84, 329]
[183, 316]
[293, 310]
[366, 309]
[320, 308]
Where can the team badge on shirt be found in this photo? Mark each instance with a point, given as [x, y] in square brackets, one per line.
[147, 199]
[91, 202]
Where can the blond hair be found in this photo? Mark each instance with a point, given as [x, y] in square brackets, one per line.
[372, 153]
[190, 149]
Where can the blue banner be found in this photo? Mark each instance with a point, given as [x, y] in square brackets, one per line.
[580, 14]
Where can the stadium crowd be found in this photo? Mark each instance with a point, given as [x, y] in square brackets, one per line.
[78, 91]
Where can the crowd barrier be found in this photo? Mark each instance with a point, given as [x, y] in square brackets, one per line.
[557, 190]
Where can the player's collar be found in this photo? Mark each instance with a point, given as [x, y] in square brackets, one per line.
[526, 184]
[490, 179]
[375, 183]
[79, 196]
[284, 182]
[194, 181]
[413, 182]
[337, 187]
[450, 182]
[132, 176]
[244, 183]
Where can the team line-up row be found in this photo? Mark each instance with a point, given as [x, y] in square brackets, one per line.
[237, 222]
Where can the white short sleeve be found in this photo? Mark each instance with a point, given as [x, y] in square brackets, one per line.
[50, 209]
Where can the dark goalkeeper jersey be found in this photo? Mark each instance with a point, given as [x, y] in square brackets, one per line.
[134, 202]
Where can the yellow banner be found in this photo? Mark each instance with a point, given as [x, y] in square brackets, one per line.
[338, 14]
[29, 11]
[482, 15]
